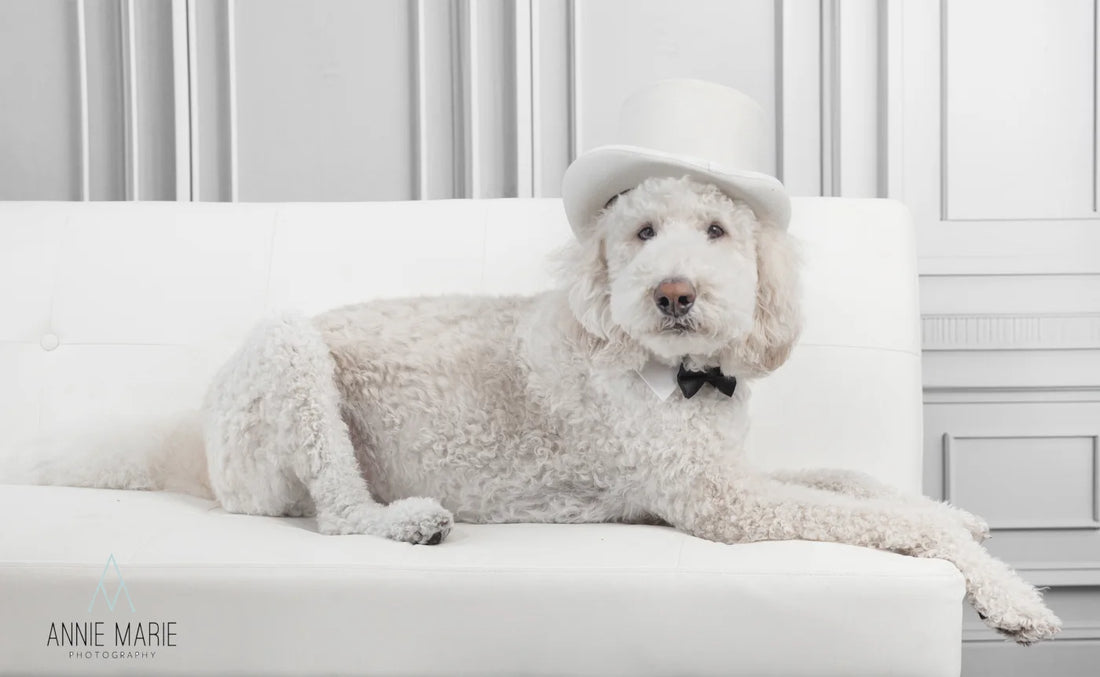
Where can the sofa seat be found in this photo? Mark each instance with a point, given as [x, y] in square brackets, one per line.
[216, 593]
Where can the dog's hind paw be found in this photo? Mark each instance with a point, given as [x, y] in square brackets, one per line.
[421, 521]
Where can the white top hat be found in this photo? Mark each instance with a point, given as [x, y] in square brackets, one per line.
[677, 128]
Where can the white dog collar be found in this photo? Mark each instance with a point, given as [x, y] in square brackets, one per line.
[660, 378]
[663, 380]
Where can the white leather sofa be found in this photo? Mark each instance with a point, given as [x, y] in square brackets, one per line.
[111, 313]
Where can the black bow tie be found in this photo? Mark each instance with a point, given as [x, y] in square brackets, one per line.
[691, 381]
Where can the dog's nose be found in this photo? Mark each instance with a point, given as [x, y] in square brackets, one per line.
[674, 297]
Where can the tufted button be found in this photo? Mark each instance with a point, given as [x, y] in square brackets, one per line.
[49, 341]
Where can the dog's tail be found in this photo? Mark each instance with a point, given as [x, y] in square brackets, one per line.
[163, 455]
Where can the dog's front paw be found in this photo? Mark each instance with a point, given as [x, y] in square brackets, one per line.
[1024, 623]
[421, 521]
[1031, 628]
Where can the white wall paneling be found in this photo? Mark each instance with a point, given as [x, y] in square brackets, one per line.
[552, 95]
[393, 99]
[89, 113]
[130, 121]
[437, 173]
[1049, 481]
[997, 146]
[182, 104]
[231, 93]
[194, 98]
[523, 51]
[856, 119]
[620, 45]
[469, 62]
[1065, 659]
[830, 97]
[799, 102]
[1018, 144]
[989, 132]
[1011, 332]
[153, 105]
[489, 45]
[325, 96]
[1026, 459]
[82, 56]
[41, 65]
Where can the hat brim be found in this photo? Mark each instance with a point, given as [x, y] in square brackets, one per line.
[602, 173]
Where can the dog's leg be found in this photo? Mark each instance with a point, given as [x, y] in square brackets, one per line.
[861, 485]
[733, 507]
[276, 441]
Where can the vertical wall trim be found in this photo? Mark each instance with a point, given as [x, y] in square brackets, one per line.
[458, 126]
[536, 101]
[798, 96]
[85, 141]
[779, 10]
[882, 75]
[942, 106]
[830, 97]
[193, 98]
[524, 76]
[181, 100]
[573, 54]
[947, 473]
[231, 68]
[420, 101]
[130, 98]
[1096, 106]
[893, 127]
[1096, 478]
[473, 111]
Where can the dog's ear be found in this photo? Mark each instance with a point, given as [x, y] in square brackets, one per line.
[777, 319]
[585, 272]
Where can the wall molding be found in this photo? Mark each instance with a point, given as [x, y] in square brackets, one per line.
[800, 151]
[829, 23]
[944, 102]
[1061, 573]
[1009, 394]
[573, 56]
[977, 632]
[524, 28]
[82, 66]
[130, 119]
[1017, 331]
[950, 486]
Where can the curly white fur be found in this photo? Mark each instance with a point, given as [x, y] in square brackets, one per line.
[389, 417]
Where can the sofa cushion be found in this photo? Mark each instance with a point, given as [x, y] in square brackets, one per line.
[216, 593]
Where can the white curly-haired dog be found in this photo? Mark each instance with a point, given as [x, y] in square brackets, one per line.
[396, 417]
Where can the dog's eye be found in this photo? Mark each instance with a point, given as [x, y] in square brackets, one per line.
[715, 231]
[646, 232]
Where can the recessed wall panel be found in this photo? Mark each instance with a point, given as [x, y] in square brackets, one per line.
[622, 45]
[325, 105]
[1041, 482]
[1018, 106]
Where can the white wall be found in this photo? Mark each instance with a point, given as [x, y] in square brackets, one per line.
[980, 114]
[268, 100]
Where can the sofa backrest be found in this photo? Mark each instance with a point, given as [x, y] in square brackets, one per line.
[119, 311]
